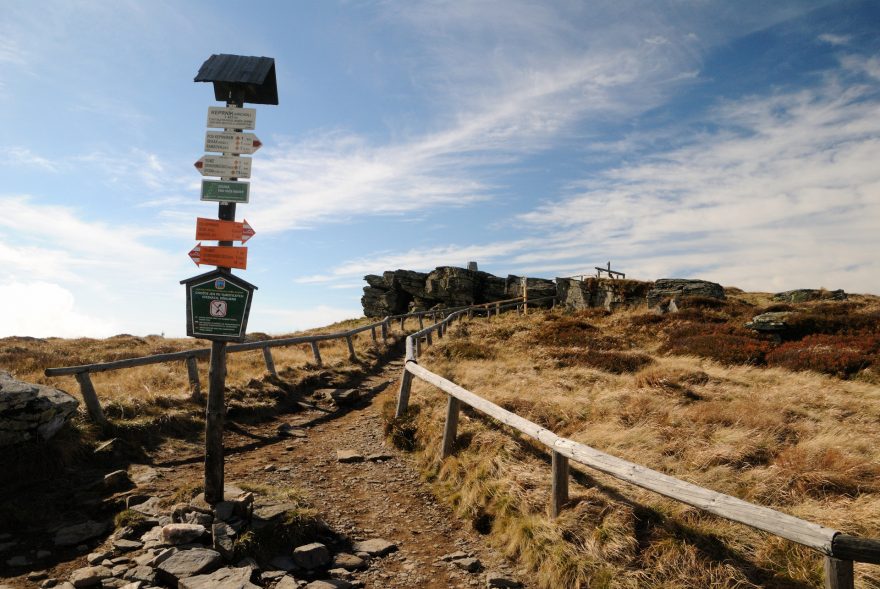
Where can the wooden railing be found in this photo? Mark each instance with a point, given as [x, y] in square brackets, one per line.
[93, 406]
[840, 550]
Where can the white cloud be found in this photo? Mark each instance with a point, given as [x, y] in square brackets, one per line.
[833, 39]
[44, 309]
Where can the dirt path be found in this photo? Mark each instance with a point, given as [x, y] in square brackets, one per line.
[383, 497]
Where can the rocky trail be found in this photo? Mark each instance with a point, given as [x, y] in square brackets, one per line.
[385, 527]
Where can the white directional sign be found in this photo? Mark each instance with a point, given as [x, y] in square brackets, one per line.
[224, 166]
[230, 142]
[232, 118]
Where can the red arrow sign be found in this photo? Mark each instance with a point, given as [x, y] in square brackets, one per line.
[219, 255]
[212, 229]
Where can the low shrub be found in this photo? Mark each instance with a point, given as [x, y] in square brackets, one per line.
[609, 361]
[462, 349]
[726, 348]
[563, 331]
[836, 355]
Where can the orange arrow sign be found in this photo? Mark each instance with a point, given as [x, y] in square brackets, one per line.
[212, 229]
[220, 255]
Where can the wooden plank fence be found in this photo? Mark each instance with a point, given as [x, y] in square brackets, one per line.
[840, 550]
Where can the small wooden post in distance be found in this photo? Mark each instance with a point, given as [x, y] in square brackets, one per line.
[351, 355]
[838, 573]
[195, 386]
[559, 489]
[421, 322]
[317, 354]
[373, 334]
[90, 397]
[403, 393]
[451, 429]
[385, 331]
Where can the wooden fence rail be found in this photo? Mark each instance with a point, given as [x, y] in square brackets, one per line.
[840, 550]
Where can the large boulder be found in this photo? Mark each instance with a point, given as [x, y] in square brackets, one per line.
[31, 411]
[454, 287]
[675, 288]
[603, 293]
[802, 295]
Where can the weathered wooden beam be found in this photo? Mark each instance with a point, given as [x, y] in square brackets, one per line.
[317, 353]
[385, 331]
[838, 573]
[421, 323]
[90, 398]
[195, 387]
[214, 417]
[351, 355]
[846, 547]
[127, 363]
[404, 391]
[451, 428]
[270, 363]
[559, 488]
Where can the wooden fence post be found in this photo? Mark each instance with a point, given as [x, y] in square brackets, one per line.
[449, 432]
[559, 490]
[838, 573]
[421, 323]
[90, 397]
[351, 355]
[214, 417]
[270, 363]
[385, 331]
[317, 354]
[428, 337]
[373, 334]
[403, 393]
[418, 346]
[195, 386]
[402, 319]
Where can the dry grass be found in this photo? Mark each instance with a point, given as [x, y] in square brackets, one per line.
[799, 441]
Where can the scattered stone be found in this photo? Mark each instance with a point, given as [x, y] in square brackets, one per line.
[117, 480]
[37, 575]
[291, 431]
[269, 576]
[141, 573]
[329, 584]
[802, 295]
[134, 585]
[288, 582]
[270, 468]
[227, 578]
[31, 411]
[78, 533]
[680, 287]
[375, 547]
[127, 545]
[150, 507]
[89, 576]
[454, 556]
[49, 583]
[283, 563]
[311, 556]
[249, 562]
[497, 580]
[273, 512]
[471, 565]
[141, 474]
[162, 556]
[187, 563]
[223, 540]
[96, 557]
[349, 562]
[774, 322]
[379, 457]
[349, 456]
[343, 397]
[182, 533]
[224, 510]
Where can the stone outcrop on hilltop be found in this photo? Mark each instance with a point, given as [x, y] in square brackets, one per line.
[674, 288]
[402, 291]
[31, 411]
[607, 293]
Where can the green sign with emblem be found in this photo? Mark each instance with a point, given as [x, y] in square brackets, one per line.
[225, 191]
[217, 306]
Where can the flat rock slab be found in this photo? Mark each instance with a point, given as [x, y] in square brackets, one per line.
[311, 556]
[349, 562]
[349, 456]
[375, 547]
[288, 582]
[89, 576]
[471, 565]
[79, 533]
[182, 533]
[497, 580]
[329, 584]
[31, 411]
[379, 457]
[228, 578]
[188, 563]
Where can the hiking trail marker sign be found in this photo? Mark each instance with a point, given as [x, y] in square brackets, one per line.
[217, 306]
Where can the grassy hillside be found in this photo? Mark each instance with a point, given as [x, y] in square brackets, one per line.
[790, 425]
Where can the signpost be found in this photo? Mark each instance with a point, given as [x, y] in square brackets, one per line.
[231, 142]
[223, 256]
[213, 229]
[227, 166]
[218, 303]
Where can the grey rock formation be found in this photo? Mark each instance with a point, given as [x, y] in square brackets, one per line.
[601, 293]
[228, 578]
[680, 287]
[802, 295]
[188, 563]
[401, 291]
[31, 411]
[375, 547]
[311, 556]
[775, 322]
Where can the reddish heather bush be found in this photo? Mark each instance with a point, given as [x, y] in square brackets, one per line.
[615, 362]
[563, 331]
[833, 318]
[726, 344]
[838, 355]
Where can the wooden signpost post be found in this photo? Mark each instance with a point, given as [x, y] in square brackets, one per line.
[218, 303]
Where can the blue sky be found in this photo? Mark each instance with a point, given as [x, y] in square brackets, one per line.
[732, 141]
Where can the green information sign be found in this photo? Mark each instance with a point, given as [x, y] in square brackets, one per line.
[225, 191]
[217, 306]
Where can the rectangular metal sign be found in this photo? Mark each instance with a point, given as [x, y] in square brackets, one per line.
[226, 256]
[225, 191]
[231, 142]
[218, 308]
[224, 166]
[231, 118]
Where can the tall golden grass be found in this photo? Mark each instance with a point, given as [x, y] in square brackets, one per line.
[802, 442]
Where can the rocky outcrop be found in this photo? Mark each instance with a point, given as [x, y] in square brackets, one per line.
[605, 293]
[31, 411]
[774, 322]
[802, 295]
[675, 288]
[403, 291]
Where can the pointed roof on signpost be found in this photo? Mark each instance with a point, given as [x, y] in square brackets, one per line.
[253, 78]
